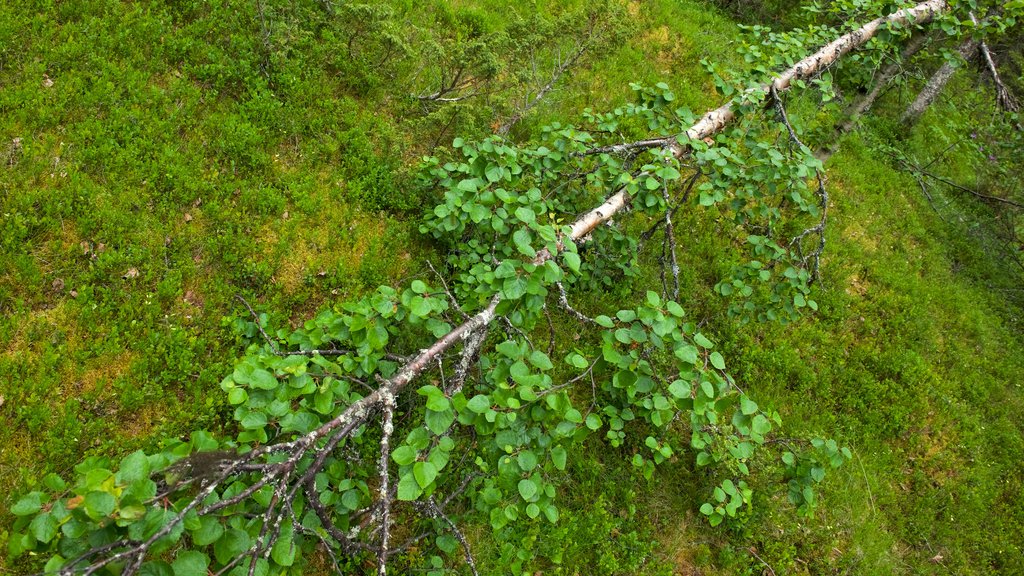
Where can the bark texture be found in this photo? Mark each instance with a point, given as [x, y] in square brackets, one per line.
[937, 82]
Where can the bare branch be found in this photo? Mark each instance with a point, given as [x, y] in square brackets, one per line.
[819, 229]
[451, 297]
[670, 240]
[1004, 98]
[563, 299]
[388, 407]
[435, 511]
[470, 351]
[508, 124]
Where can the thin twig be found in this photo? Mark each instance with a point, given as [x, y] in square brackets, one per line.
[563, 299]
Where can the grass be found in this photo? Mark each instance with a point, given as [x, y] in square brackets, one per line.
[164, 171]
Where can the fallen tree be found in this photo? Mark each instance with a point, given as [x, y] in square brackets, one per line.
[311, 466]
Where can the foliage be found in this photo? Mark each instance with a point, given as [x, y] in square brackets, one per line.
[262, 228]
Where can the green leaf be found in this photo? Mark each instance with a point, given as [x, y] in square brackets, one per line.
[527, 488]
[54, 482]
[605, 321]
[573, 415]
[687, 353]
[521, 238]
[527, 460]
[576, 360]
[520, 373]
[419, 287]
[551, 513]
[515, 287]
[675, 309]
[818, 473]
[230, 545]
[43, 527]
[572, 260]
[708, 388]
[558, 457]
[237, 396]
[263, 380]
[134, 467]
[157, 568]
[438, 422]
[284, 549]
[424, 472]
[99, 504]
[717, 361]
[679, 389]
[702, 341]
[653, 299]
[350, 499]
[510, 348]
[210, 530]
[54, 564]
[493, 172]
[532, 510]
[190, 563]
[408, 488]
[28, 504]
[420, 306]
[525, 214]
[541, 360]
[253, 420]
[436, 400]
[747, 406]
[505, 270]
[761, 425]
[479, 404]
[404, 455]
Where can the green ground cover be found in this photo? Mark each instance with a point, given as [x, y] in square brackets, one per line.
[159, 160]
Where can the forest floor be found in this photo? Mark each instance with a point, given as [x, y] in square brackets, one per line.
[144, 187]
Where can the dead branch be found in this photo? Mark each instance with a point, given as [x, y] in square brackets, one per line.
[819, 229]
[436, 512]
[937, 82]
[469, 355]
[864, 103]
[559, 71]
[670, 240]
[1004, 98]
[387, 428]
[915, 169]
[563, 299]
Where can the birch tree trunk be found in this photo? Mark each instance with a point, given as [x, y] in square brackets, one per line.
[864, 102]
[936, 83]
